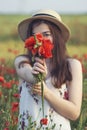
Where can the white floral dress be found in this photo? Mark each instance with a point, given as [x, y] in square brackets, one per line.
[31, 117]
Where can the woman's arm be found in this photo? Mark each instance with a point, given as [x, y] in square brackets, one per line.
[67, 108]
[24, 69]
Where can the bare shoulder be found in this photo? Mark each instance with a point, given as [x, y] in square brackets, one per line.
[21, 59]
[75, 64]
[76, 71]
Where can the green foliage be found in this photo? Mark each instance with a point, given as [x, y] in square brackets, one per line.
[81, 123]
[77, 24]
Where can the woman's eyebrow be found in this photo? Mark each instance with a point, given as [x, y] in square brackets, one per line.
[41, 32]
[46, 32]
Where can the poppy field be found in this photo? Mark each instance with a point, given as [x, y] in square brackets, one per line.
[11, 46]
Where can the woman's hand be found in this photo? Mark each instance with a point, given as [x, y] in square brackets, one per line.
[39, 66]
[36, 88]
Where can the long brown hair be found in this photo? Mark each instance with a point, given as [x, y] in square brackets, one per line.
[60, 65]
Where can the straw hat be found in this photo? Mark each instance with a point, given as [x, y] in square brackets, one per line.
[48, 15]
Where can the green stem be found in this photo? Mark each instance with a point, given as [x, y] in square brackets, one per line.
[42, 90]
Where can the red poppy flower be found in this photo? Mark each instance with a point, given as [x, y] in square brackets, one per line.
[6, 128]
[15, 106]
[85, 56]
[7, 123]
[30, 42]
[44, 121]
[7, 85]
[1, 79]
[0, 93]
[39, 36]
[46, 50]
[16, 95]
[37, 44]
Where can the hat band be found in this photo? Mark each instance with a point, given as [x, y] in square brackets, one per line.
[44, 14]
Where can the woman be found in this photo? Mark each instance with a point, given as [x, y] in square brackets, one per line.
[63, 81]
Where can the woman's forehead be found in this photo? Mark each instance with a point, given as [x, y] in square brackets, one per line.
[40, 28]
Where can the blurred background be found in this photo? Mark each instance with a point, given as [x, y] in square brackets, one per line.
[26, 6]
[73, 13]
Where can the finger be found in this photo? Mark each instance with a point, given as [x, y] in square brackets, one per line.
[36, 91]
[37, 69]
[39, 60]
[37, 64]
[38, 84]
[34, 71]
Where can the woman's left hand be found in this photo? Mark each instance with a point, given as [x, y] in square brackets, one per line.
[36, 88]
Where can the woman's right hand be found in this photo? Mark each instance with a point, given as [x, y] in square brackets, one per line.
[39, 66]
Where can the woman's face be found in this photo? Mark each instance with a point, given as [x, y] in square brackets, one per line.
[44, 30]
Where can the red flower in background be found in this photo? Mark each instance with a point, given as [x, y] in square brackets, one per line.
[7, 123]
[16, 95]
[85, 56]
[6, 128]
[1, 79]
[0, 93]
[15, 106]
[7, 85]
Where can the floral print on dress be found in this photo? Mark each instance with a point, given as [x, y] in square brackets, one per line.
[30, 117]
[66, 95]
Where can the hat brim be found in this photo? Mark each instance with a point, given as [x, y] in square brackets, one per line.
[23, 26]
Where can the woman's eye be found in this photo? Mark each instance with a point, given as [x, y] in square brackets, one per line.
[46, 35]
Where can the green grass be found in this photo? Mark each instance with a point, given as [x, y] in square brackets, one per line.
[76, 49]
[76, 23]
[13, 45]
[75, 18]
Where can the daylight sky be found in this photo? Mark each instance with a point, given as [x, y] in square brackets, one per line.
[27, 6]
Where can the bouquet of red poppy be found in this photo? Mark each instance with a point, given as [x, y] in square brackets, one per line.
[41, 47]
